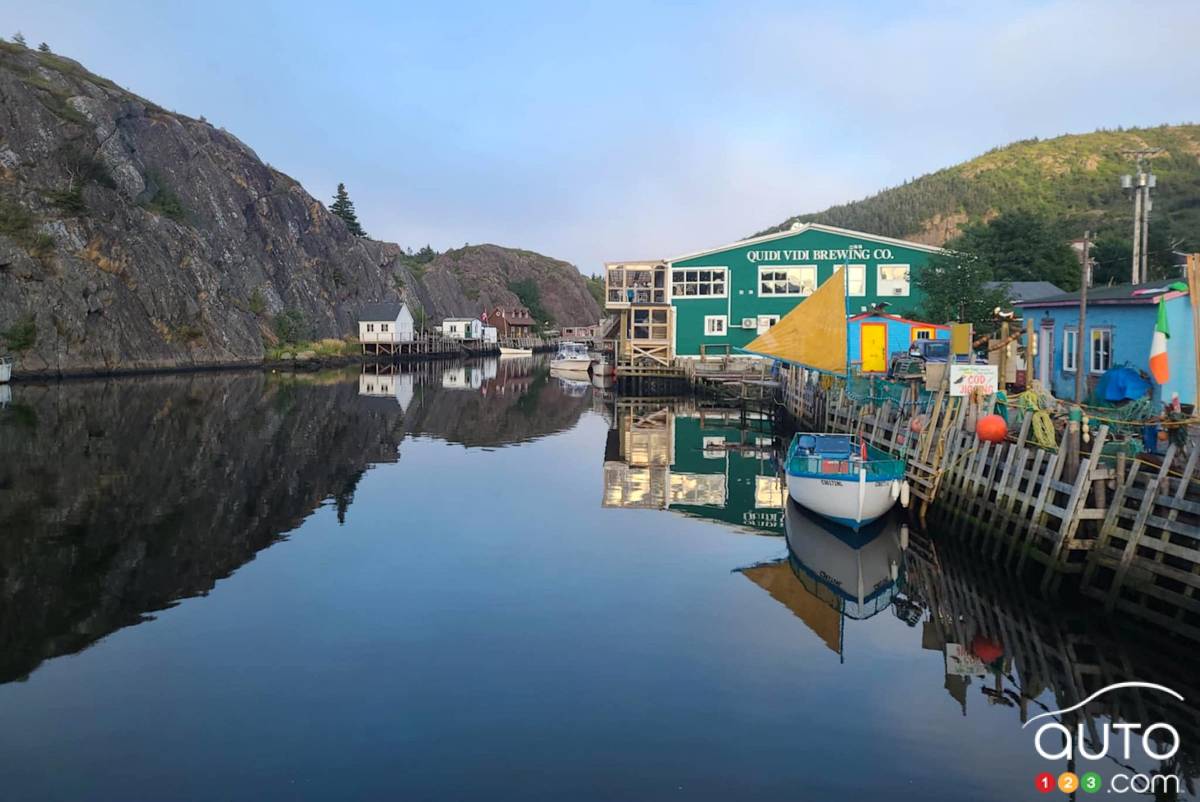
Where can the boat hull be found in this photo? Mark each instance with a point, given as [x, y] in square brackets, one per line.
[506, 351]
[580, 365]
[839, 499]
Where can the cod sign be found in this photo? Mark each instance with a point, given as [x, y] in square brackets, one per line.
[1067, 745]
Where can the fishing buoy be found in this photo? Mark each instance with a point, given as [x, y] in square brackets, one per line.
[904, 537]
[991, 429]
[895, 489]
[904, 494]
[917, 424]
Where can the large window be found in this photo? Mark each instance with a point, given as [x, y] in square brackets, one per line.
[893, 280]
[698, 282]
[714, 325]
[787, 280]
[1101, 351]
[649, 324]
[856, 279]
[637, 284]
[1070, 350]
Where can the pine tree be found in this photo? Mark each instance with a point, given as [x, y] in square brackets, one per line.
[343, 207]
[45, 48]
[19, 38]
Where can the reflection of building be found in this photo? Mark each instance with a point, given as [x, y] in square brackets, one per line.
[712, 464]
[388, 385]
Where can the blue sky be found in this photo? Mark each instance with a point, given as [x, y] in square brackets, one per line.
[594, 131]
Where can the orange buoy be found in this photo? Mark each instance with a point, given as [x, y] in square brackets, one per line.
[991, 429]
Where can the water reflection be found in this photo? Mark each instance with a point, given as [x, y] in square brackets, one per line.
[119, 498]
[708, 463]
[1000, 644]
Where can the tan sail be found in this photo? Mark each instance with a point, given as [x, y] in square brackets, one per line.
[814, 333]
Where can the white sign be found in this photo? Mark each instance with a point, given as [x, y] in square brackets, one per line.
[968, 379]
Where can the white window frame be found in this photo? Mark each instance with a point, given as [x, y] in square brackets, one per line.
[383, 327]
[710, 319]
[1105, 332]
[685, 270]
[816, 279]
[881, 282]
[1070, 355]
[370, 327]
[861, 268]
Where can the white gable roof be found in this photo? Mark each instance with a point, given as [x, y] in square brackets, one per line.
[845, 232]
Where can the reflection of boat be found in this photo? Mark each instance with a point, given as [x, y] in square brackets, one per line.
[6, 365]
[857, 572]
[506, 351]
[570, 383]
[841, 477]
[571, 357]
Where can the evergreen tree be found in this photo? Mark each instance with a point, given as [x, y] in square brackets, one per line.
[954, 289]
[45, 48]
[19, 38]
[1021, 246]
[343, 207]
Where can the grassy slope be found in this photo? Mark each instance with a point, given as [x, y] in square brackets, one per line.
[1073, 178]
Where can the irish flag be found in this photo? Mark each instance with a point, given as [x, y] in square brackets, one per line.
[1158, 347]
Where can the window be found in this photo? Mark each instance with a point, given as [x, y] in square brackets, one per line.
[922, 334]
[698, 282]
[1070, 349]
[856, 279]
[766, 321]
[893, 280]
[1101, 350]
[370, 327]
[714, 325]
[383, 327]
[648, 324]
[783, 280]
[635, 284]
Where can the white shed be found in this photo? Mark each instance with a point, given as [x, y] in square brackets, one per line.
[385, 323]
[489, 334]
[462, 328]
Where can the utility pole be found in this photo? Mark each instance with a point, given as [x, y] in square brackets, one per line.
[1085, 279]
[1141, 184]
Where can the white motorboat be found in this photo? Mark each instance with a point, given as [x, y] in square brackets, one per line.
[572, 357]
[6, 366]
[507, 351]
[842, 478]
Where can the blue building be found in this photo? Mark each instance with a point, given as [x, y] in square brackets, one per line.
[873, 337]
[1120, 325]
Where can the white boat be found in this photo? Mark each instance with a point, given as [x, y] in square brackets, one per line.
[572, 357]
[842, 478]
[507, 351]
[6, 366]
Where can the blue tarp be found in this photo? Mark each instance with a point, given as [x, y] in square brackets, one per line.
[1121, 384]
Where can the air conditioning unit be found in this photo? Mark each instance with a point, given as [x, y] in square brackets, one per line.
[749, 323]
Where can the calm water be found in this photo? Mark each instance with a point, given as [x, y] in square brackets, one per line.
[480, 582]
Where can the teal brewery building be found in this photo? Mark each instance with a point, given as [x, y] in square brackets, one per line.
[725, 297]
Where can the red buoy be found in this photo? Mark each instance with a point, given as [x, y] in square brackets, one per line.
[991, 429]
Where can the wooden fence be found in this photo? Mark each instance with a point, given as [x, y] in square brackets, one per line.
[1128, 529]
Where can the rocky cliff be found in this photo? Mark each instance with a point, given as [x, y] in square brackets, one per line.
[134, 237]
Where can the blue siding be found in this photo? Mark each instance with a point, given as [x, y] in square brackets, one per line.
[1132, 328]
[899, 335]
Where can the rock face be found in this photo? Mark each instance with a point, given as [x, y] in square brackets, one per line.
[132, 237]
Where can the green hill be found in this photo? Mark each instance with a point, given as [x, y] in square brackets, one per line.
[1073, 179]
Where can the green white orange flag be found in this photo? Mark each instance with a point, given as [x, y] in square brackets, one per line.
[1159, 368]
